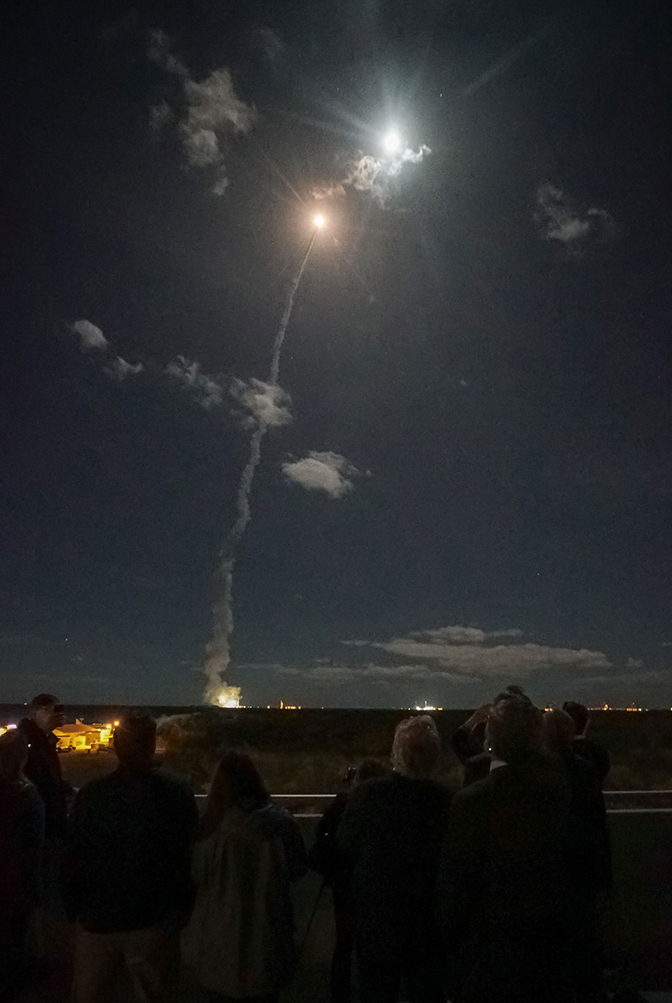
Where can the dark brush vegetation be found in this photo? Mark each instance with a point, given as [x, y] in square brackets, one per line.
[308, 751]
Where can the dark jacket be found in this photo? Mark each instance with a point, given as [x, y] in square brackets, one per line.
[502, 884]
[595, 753]
[324, 856]
[390, 839]
[21, 845]
[589, 844]
[476, 768]
[44, 770]
[465, 743]
[129, 853]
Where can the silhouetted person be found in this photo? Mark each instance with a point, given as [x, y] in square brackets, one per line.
[240, 940]
[325, 858]
[390, 837]
[469, 740]
[130, 888]
[43, 767]
[584, 745]
[588, 854]
[503, 872]
[21, 846]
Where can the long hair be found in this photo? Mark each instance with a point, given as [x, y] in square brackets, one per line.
[237, 783]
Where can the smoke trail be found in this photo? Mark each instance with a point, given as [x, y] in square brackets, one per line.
[284, 321]
[218, 649]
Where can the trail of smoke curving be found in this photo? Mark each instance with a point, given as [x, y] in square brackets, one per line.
[218, 649]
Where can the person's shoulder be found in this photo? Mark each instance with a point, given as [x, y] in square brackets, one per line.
[375, 786]
[171, 783]
[29, 730]
[274, 817]
[478, 790]
[439, 790]
[97, 786]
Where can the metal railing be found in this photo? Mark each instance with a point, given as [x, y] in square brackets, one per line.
[313, 805]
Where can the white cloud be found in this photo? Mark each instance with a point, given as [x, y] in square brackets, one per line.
[372, 174]
[160, 52]
[203, 389]
[463, 635]
[562, 220]
[634, 663]
[265, 405]
[514, 661]
[213, 110]
[91, 338]
[470, 653]
[120, 369]
[326, 471]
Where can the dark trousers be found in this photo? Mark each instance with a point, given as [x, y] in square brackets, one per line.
[341, 964]
[388, 960]
[13, 955]
[587, 955]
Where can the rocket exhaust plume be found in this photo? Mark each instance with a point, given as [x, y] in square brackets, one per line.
[218, 649]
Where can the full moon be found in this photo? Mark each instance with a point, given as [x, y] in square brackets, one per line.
[392, 141]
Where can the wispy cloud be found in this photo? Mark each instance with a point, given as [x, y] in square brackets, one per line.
[213, 111]
[263, 405]
[119, 369]
[474, 653]
[91, 338]
[514, 661]
[326, 471]
[372, 174]
[562, 220]
[202, 389]
[463, 635]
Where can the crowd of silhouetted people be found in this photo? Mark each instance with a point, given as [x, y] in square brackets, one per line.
[485, 895]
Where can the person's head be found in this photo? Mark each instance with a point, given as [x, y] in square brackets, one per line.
[514, 730]
[367, 770]
[47, 712]
[135, 739]
[237, 783]
[512, 692]
[13, 755]
[558, 731]
[579, 715]
[416, 747]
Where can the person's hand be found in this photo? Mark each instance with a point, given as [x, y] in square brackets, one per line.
[479, 716]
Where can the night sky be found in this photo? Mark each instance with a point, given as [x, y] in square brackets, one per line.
[483, 337]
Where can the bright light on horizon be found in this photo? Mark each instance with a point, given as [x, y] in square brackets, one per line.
[392, 141]
[319, 222]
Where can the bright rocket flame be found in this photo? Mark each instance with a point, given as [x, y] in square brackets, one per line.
[319, 222]
[392, 141]
[228, 696]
